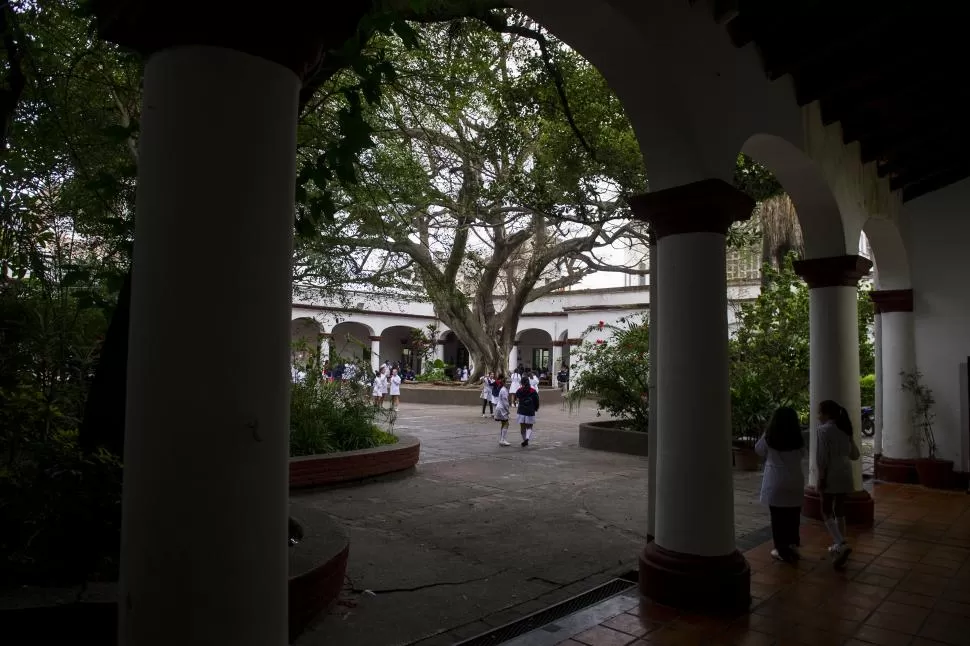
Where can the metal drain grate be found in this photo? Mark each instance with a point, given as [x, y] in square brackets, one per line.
[543, 617]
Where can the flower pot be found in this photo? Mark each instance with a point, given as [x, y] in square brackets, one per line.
[933, 473]
[745, 459]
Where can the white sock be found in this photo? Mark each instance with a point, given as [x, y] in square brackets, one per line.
[528, 433]
[505, 433]
[832, 524]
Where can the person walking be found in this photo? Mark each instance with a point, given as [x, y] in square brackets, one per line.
[836, 453]
[528, 406]
[783, 483]
[515, 382]
[379, 389]
[502, 410]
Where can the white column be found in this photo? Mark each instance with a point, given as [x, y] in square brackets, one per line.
[695, 484]
[375, 353]
[514, 356]
[877, 343]
[898, 355]
[324, 349]
[439, 352]
[203, 551]
[652, 427]
[556, 359]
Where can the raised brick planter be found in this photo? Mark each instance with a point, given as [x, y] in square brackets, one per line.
[614, 436]
[316, 470]
[317, 567]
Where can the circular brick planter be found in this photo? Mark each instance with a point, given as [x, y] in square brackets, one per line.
[894, 470]
[613, 435]
[347, 466]
[317, 565]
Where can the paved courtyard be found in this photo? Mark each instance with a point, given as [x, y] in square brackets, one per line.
[481, 535]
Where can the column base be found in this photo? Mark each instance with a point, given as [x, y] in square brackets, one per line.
[650, 538]
[860, 508]
[711, 584]
[902, 470]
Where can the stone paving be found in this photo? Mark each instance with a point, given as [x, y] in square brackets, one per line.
[482, 535]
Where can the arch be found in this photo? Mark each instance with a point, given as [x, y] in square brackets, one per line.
[397, 347]
[535, 348]
[350, 340]
[304, 338]
[818, 211]
[453, 352]
[889, 253]
[563, 349]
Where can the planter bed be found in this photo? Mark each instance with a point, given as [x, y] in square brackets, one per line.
[317, 565]
[614, 436]
[346, 466]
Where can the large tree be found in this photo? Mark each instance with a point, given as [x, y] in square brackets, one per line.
[496, 179]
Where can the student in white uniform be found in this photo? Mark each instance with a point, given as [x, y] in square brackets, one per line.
[783, 483]
[502, 411]
[836, 453]
[379, 389]
[394, 383]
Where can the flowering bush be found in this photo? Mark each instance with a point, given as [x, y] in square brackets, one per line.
[614, 372]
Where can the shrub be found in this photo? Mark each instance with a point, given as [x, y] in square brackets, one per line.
[326, 416]
[867, 388]
[615, 372]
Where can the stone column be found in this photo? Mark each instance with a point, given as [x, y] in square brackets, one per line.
[897, 355]
[693, 563]
[514, 356]
[556, 359]
[439, 350]
[205, 502]
[375, 353]
[652, 392]
[834, 372]
[877, 404]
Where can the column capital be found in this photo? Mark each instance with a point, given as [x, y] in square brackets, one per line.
[325, 335]
[441, 342]
[892, 300]
[374, 338]
[834, 271]
[707, 206]
[294, 34]
[574, 341]
[558, 344]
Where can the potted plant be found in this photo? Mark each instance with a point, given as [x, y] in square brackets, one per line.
[933, 472]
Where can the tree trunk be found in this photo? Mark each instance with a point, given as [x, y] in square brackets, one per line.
[781, 233]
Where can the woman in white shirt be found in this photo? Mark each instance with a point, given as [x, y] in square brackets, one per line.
[394, 383]
[783, 483]
[836, 453]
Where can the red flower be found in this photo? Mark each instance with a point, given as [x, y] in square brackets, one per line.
[599, 341]
[601, 324]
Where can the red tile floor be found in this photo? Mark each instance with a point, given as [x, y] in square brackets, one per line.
[907, 583]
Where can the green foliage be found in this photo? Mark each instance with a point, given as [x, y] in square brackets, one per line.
[615, 372]
[334, 416]
[435, 371]
[867, 390]
[770, 350]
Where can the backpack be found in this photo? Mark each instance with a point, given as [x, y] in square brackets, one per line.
[496, 389]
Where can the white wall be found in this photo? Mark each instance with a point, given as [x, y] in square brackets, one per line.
[936, 228]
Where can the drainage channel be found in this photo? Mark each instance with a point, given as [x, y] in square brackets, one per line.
[542, 618]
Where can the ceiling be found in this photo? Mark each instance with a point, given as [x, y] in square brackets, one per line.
[895, 74]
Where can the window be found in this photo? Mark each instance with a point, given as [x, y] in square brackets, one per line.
[744, 265]
[541, 359]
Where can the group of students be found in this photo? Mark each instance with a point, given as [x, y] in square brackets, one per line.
[387, 382]
[521, 392]
[783, 484]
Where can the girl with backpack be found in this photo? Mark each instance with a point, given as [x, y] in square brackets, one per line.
[836, 453]
[528, 405]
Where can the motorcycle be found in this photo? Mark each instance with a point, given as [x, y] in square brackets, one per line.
[868, 421]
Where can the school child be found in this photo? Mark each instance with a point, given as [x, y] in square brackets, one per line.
[783, 483]
[528, 405]
[836, 453]
[487, 382]
[502, 410]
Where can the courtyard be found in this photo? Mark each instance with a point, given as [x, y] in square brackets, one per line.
[481, 535]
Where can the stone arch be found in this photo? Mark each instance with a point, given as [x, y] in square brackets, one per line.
[397, 348]
[304, 338]
[818, 211]
[350, 340]
[563, 341]
[535, 348]
[888, 254]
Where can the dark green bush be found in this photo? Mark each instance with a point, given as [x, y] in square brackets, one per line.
[867, 388]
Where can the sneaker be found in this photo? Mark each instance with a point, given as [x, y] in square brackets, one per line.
[842, 555]
[525, 442]
[777, 555]
[503, 443]
[834, 548]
